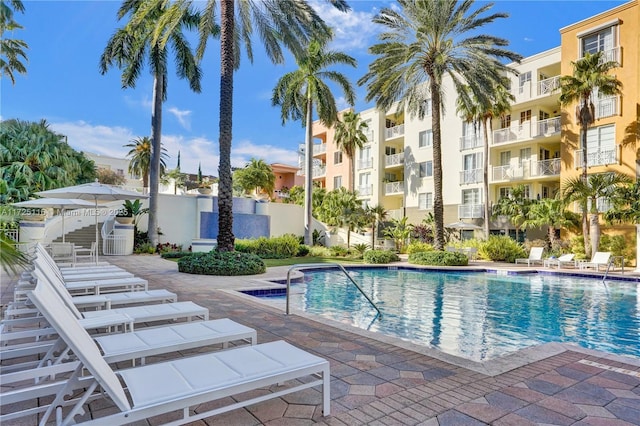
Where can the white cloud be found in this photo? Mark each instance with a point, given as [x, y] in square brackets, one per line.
[183, 117]
[352, 31]
[109, 141]
[528, 39]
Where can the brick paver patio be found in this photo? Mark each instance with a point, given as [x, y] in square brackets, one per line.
[381, 382]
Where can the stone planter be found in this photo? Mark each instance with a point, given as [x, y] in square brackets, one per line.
[124, 220]
[37, 217]
[205, 190]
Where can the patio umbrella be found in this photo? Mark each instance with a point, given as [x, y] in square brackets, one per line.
[56, 203]
[462, 225]
[94, 191]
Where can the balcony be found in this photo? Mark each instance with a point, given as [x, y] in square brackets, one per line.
[596, 158]
[471, 142]
[394, 188]
[319, 148]
[470, 176]
[394, 132]
[612, 55]
[546, 167]
[507, 173]
[394, 160]
[365, 190]
[527, 130]
[470, 211]
[319, 172]
[365, 163]
[607, 107]
[548, 86]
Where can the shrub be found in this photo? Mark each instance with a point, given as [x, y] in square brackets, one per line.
[500, 248]
[438, 258]
[361, 248]
[168, 247]
[338, 251]
[618, 246]
[380, 256]
[175, 254]
[229, 263]
[144, 248]
[418, 246]
[270, 248]
[303, 250]
[319, 251]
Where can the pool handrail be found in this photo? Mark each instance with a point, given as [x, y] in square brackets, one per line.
[326, 266]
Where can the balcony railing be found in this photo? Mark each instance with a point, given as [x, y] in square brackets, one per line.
[527, 130]
[612, 55]
[546, 167]
[394, 132]
[471, 142]
[394, 188]
[365, 163]
[596, 158]
[471, 176]
[365, 190]
[607, 107]
[319, 172]
[548, 127]
[548, 85]
[369, 135]
[394, 160]
[319, 148]
[507, 173]
[470, 211]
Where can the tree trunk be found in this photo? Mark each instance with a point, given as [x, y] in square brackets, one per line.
[226, 239]
[438, 205]
[308, 181]
[584, 124]
[353, 173]
[595, 232]
[485, 177]
[156, 151]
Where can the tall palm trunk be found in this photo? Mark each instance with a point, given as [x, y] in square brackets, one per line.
[584, 124]
[485, 176]
[156, 151]
[308, 182]
[438, 205]
[226, 239]
[353, 173]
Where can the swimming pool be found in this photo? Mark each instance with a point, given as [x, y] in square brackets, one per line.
[479, 316]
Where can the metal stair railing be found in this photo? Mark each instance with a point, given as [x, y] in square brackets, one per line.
[326, 266]
[611, 260]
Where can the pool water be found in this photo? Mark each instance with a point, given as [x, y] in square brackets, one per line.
[479, 316]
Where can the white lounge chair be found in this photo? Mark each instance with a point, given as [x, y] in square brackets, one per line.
[564, 260]
[174, 385]
[535, 256]
[600, 258]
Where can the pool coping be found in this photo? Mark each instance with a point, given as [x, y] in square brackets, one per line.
[490, 367]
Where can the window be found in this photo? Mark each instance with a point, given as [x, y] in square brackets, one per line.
[425, 138]
[601, 145]
[425, 201]
[525, 156]
[120, 172]
[525, 116]
[472, 161]
[543, 115]
[471, 196]
[389, 150]
[426, 107]
[426, 169]
[505, 121]
[337, 182]
[337, 157]
[505, 158]
[524, 81]
[599, 41]
[505, 192]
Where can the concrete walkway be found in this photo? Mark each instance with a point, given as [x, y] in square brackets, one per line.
[388, 382]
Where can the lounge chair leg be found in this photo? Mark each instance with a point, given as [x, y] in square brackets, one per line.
[326, 392]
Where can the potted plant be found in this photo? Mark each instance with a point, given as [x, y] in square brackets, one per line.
[129, 211]
[204, 186]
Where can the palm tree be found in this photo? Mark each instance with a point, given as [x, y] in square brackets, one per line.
[515, 207]
[145, 37]
[602, 186]
[296, 93]
[12, 50]
[278, 23]
[349, 136]
[255, 176]
[590, 77]
[551, 212]
[626, 204]
[140, 159]
[425, 41]
[377, 214]
[482, 114]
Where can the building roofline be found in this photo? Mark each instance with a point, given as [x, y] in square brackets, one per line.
[600, 15]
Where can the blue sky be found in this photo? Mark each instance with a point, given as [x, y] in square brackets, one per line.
[64, 86]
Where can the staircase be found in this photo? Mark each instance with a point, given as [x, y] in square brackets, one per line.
[83, 237]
